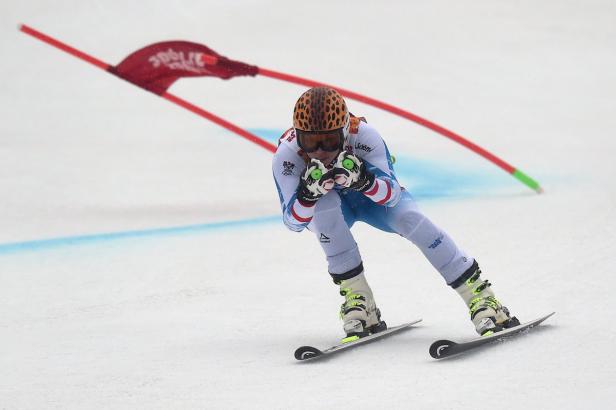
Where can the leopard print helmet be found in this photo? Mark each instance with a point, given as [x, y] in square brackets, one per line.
[321, 109]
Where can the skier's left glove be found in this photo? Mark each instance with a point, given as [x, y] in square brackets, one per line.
[351, 172]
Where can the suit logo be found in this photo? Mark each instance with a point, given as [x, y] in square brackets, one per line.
[437, 242]
[287, 168]
[363, 147]
[324, 239]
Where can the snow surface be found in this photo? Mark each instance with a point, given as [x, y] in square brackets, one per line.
[100, 307]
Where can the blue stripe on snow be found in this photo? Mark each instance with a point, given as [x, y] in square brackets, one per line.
[44, 244]
[426, 179]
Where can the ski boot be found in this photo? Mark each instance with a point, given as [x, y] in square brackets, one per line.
[487, 313]
[359, 313]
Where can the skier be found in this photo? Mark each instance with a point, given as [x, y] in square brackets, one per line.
[333, 169]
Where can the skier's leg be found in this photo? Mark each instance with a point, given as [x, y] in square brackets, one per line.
[460, 271]
[441, 251]
[331, 224]
[333, 232]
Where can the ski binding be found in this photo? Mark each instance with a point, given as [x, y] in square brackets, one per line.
[446, 348]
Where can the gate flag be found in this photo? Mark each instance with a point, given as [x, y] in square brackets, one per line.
[157, 66]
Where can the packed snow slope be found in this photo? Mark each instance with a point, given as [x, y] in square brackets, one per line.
[143, 263]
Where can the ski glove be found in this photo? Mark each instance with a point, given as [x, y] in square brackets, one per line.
[351, 172]
[315, 182]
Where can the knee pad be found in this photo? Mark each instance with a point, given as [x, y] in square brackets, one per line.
[414, 226]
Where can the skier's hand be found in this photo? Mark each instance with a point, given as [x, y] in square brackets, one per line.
[315, 182]
[350, 172]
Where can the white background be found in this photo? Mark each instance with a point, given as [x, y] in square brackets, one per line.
[209, 317]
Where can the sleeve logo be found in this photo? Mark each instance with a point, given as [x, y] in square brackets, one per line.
[363, 147]
[287, 168]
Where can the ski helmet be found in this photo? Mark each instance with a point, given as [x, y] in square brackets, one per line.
[321, 110]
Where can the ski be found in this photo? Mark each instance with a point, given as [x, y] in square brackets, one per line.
[305, 353]
[447, 348]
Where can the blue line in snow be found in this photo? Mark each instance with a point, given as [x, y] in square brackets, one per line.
[44, 244]
[269, 134]
[426, 180]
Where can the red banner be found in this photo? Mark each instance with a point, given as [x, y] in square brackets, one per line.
[159, 65]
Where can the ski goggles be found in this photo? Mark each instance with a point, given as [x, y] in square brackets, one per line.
[329, 141]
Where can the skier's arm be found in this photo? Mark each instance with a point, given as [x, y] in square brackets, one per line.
[372, 173]
[299, 191]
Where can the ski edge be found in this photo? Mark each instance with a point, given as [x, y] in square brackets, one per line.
[444, 348]
[305, 353]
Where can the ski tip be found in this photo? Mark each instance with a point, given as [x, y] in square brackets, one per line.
[549, 315]
[307, 352]
[440, 348]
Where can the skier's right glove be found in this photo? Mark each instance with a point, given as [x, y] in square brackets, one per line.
[315, 182]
